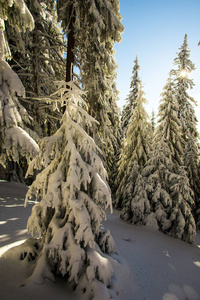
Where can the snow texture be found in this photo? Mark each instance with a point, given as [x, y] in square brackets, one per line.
[13, 116]
[149, 265]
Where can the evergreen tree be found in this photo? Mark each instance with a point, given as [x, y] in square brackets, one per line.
[73, 195]
[92, 29]
[153, 122]
[135, 147]
[182, 82]
[40, 63]
[136, 206]
[161, 195]
[72, 186]
[197, 206]
[14, 120]
[169, 125]
[186, 111]
[191, 162]
[131, 100]
[169, 194]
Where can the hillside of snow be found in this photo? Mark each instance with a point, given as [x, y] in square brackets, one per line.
[150, 265]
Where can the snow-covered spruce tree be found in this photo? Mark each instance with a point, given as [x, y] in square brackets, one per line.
[73, 196]
[98, 75]
[131, 99]
[136, 207]
[182, 83]
[92, 29]
[191, 162]
[169, 194]
[16, 139]
[153, 121]
[169, 125]
[186, 111]
[135, 148]
[184, 227]
[197, 207]
[38, 61]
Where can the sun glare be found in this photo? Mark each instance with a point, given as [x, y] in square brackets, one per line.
[184, 73]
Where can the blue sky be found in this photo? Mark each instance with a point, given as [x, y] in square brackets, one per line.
[155, 30]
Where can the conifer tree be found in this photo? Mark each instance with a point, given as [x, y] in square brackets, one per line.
[92, 29]
[14, 119]
[169, 194]
[73, 195]
[182, 83]
[131, 99]
[169, 125]
[40, 63]
[186, 111]
[135, 148]
[72, 186]
[153, 122]
[191, 162]
[136, 206]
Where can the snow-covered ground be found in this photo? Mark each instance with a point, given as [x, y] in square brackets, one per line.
[152, 265]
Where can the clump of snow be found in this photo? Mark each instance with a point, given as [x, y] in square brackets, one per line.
[18, 141]
[151, 221]
[8, 76]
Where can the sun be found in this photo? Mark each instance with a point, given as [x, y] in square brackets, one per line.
[184, 73]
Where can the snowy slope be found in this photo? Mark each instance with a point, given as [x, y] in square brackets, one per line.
[157, 267]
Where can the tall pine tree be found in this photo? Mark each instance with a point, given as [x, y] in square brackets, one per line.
[92, 29]
[182, 83]
[169, 125]
[135, 149]
[131, 99]
[186, 112]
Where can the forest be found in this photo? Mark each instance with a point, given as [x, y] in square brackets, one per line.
[64, 138]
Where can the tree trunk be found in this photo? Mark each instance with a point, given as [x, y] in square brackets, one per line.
[70, 47]
[36, 75]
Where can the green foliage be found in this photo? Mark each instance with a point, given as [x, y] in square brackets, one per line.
[135, 147]
[131, 99]
[169, 125]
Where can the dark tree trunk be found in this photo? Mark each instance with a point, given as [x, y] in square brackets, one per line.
[36, 74]
[70, 48]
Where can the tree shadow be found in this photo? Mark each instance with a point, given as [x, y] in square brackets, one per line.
[13, 214]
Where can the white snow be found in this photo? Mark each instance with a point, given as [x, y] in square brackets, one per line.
[150, 265]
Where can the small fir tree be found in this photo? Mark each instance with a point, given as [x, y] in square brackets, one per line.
[73, 195]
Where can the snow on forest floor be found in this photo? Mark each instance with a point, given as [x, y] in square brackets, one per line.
[153, 266]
